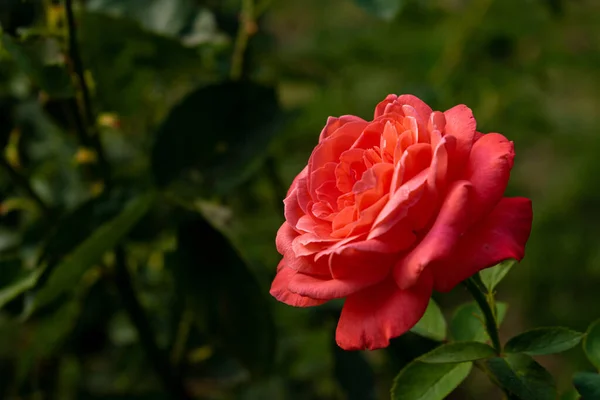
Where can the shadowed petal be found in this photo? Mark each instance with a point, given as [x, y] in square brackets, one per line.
[439, 242]
[372, 317]
[502, 235]
[279, 289]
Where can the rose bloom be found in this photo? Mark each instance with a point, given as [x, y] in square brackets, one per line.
[387, 211]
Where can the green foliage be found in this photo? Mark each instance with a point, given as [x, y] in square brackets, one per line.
[67, 274]
[163, 110]
[591, 344]
[218, 131]
[458, 352]
[224, 295]
[432, 324]
[467, 324]
[492, 276]
[51, 78]
[523, 377]
[544, 341]
[421, 381]
[587, 384]
[384, 9]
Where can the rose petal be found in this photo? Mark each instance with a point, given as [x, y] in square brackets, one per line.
[502, 235]
[419, 105]
[368, 261]
[333, 124]
[398, 205]
[380, 109]
[330, 149]
[279, 289]
[488, 170]
[461, 124]
[285, 236]
[436, 181]
[439, 242]
[370, 318]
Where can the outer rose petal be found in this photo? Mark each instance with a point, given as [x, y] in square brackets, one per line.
[422, 108]
[461, 124]
[439, 242]
[333, 124]
[502, 235]
[372, 317]
[488, 170]
[279, 289]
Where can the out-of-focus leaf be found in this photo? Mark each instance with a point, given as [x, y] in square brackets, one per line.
[76, 226]
[587, 384]
[66, 274]
[53, 79]
[144, 57]
[15, 14]
[167, 17]
[421, 381]
[384, 9]
[218, 131]
[354, 374]
[19, 286]
[591, 343]
[458, 352]
[543, 341]
[432, 324]
[224, 295]
[49, 333]
[523, 377]
[467, 322]
[491, 277]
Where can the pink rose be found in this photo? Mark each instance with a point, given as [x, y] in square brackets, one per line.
[387, 211]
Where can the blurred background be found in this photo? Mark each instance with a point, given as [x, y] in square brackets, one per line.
[110, 289]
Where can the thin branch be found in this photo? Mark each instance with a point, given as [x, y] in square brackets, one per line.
[246, 29]
[86, 129]
[172, 383]
[489, 314]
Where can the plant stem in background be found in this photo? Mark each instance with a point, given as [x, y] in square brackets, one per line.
[21, 181]
[86, 130]
[123, 281]
[131, 304]
[247, 27]
[490, 320]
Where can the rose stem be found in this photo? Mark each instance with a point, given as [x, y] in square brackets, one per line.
[490, 321]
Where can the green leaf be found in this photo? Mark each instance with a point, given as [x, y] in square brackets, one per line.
[421, 381]
[218, 132]
[587, 384]
[67, 274]
[52, 78]
[523, 377]
[19, 286]
[457, 352]
[227, 301]
[384, 9]
[543, 341]
[467, 324]
[591, 343]
[432, 324]
[354, 374]
[491, 277]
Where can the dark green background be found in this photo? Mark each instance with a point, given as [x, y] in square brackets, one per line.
[528, 69]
